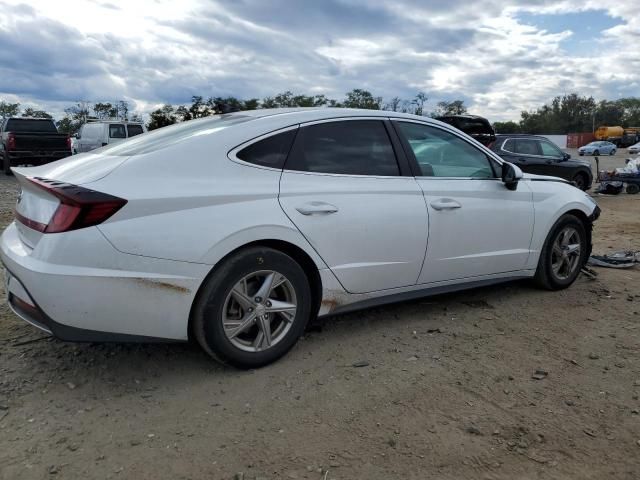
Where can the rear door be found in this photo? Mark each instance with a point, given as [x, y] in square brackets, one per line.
[476, 226]
[90, 137]
[342, 187]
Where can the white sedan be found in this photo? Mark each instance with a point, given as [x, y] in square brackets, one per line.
[236, 229]
[634, 148]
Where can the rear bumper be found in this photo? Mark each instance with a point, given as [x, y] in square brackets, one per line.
[101, 295]
[34, 158]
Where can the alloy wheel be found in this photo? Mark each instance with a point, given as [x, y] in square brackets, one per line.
[259, 311]
[565, 255]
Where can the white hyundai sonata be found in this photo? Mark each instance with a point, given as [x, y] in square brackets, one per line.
[235, 230]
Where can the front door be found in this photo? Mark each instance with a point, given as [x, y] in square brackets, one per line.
[476, 226]
[342, 188]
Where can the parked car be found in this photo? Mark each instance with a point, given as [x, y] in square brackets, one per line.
[598, 148]
[477, 127]
[96, 134]
[237, 229]
[31, 141]
[535, 154]
[634, 148]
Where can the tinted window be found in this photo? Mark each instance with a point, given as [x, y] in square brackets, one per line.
[356, 147]
[525, 146]
[19, 125]
[117, 131]
[269, 152]
[550, 150]
[442, 154]
[134, 130]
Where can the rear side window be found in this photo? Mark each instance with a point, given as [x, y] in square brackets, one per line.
[527, 147]
[89, 132]
[117, 131]
[134, 130]
[269, 152]
[355, 147]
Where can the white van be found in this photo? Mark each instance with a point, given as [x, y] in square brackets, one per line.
[94, 135]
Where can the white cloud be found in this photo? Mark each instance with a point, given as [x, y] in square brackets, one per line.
[155, 51]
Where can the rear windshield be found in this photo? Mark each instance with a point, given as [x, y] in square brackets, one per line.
[166, 136]
[29, 125]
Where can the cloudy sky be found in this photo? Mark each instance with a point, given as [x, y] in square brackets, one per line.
[500, 56]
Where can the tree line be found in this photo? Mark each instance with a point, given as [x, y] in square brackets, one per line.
[200, 106]
[573, 113]
[570, 113]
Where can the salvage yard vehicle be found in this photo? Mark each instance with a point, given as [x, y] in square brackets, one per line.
[272, 217]
[31, 141]
[475, 126]
[633, 149]
[536, 154]
[598, 148]
[99, 133]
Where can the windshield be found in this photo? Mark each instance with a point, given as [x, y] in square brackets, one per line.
[166, 136]
[19, 125]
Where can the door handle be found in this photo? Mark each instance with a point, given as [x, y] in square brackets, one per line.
[317, 208]
[445, 204]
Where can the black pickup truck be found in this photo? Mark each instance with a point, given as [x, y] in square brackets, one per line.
[31, 141]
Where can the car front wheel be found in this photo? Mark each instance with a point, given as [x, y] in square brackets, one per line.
[612, 152]
[596, 153]
[253, 308]
[563, 255]
[580, 180]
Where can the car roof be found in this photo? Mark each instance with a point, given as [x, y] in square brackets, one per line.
[92, 122]
[518, 135]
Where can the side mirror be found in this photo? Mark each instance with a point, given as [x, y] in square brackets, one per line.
[566, 156]
[511, 175]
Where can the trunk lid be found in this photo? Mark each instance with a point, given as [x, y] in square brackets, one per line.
[34, 205]
[76, 169]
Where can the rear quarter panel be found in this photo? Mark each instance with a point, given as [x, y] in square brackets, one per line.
[194, 204]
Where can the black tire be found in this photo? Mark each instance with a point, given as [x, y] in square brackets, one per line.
[545, 277]
[612, 152]
[633, 188]
[581, 181]
[208, 309]
[596, 153]
[6, 164]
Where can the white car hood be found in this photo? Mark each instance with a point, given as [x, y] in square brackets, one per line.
[77, 169]
[533, 176]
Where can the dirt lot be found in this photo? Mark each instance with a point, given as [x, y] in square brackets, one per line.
[446, 391]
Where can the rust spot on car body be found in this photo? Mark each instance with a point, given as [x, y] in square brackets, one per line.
[162, 285]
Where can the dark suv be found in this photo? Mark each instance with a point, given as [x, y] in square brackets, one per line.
[535, 154]
[477, 127]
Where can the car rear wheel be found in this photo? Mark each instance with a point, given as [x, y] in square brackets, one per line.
[6, 164]
[253, 308]
[633, 188]
[597, 152]
[563, 255]
[580, 180]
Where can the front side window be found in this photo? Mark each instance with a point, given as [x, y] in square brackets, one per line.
[443, 154]
[117, 131]
[550, 150]
[134, 130]
[354, 147]
[269, 152]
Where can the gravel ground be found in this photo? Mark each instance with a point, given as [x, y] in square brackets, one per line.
[436, 388]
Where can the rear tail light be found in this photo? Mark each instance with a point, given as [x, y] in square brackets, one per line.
[79, 207]
[11, 142]
[69, 143]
